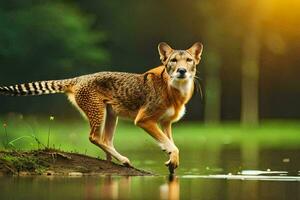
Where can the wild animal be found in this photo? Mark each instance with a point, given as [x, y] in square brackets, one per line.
[153, 100]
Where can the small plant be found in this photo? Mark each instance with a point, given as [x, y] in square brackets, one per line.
[11, 143]
[6, 136]
[49, 131]
[39, 143]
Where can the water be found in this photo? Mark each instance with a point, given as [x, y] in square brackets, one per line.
[216, 163]
[223, 177]
[147, 188]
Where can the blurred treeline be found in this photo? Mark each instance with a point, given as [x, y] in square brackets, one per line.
[51, 39]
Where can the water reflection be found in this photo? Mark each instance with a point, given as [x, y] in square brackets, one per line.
[229, 172]
[181, 187]
[108, 187]
[171, 189]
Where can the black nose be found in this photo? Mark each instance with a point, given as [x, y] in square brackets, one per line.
[181, 71]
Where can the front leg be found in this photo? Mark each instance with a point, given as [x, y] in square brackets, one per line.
[151, 127]
[167, 129]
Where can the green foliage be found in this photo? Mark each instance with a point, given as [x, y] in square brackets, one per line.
[51, 35]
[60, 38]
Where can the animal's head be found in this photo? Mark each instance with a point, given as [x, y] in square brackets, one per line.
[180, 64]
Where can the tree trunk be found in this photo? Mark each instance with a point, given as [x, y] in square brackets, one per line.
[250, 71]
[213, 89]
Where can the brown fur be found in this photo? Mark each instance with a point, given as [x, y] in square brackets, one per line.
[157, 97]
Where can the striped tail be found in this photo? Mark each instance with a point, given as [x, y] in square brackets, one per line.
[36, 88]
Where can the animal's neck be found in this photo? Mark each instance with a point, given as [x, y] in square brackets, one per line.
[181, 91]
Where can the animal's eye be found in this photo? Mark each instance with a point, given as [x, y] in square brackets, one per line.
[173, 60]
[189, 60]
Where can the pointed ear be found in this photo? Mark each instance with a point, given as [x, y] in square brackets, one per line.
[196, 51]
[164, 51]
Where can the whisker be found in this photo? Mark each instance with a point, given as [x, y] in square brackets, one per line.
[198, 78]
[199, 87]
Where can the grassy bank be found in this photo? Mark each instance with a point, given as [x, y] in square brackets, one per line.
[32, 133]
[201, 146]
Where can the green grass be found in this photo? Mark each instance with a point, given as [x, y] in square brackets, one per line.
[269, 134]
[32, 133]
[21, 163]
[200, 145]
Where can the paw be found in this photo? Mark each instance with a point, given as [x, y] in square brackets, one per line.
[125, 161]
[171, 166]
[173, 163]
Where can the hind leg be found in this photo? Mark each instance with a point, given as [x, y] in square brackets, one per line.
[108, 133]
[95, 109]
[109, 129]
[101, 141]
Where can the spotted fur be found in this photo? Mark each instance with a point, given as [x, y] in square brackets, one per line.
[156, 97]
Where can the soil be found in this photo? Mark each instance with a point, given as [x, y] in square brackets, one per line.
[51, 162]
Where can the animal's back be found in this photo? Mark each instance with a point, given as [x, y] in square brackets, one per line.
[125, 92]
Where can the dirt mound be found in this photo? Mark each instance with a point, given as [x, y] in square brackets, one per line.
[58, 163]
